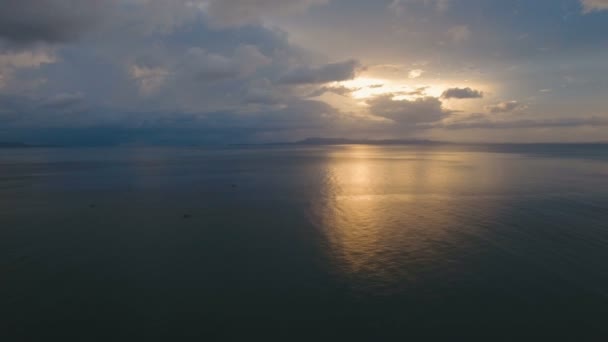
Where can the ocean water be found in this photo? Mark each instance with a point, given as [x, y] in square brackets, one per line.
[324, 243]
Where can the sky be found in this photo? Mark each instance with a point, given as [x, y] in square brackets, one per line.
[190, 72]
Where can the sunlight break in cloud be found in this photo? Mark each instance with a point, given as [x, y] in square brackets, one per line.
[416, 73]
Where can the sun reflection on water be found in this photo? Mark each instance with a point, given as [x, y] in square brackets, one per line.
[392, 218]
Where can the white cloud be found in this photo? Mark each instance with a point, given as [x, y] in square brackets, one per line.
[149, 79]
[10, 61]
[26, 59]
[416, 73]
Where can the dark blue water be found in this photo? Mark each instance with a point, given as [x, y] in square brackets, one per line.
[334, 243]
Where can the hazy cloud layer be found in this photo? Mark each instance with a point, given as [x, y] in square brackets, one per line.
[594, 5]
[213, 71]
[505, 107]
[226, 13]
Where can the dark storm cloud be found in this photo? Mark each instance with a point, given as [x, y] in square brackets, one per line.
[409, 112]
[31, 120]
[462, 93]
[208, 67]
[52, 21]
[327, 73]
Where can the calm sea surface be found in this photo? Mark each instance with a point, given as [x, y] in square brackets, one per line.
[333, 243]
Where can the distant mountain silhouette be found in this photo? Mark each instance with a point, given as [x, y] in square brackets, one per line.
[346, 141]
[4, 144]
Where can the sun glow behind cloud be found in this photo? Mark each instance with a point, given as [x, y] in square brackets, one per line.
[369, 87]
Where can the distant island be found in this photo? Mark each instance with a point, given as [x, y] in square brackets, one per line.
[346, 141]
[4, 144]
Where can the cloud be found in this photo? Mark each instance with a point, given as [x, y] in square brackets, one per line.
[388, 68]
[26, 59]
[27, 22]
[204, 66]
[416, 73]
[594, 5]
[250, 58]
[27, 119]
[505, 107]
[11, 61]
[338, 90]
[409, 112]
[210, 71]
[420, 91]
[31, 21]
[150, 79]
[24, 112]
[217, 68]
[263, 93]
[442, 5]
[399, 6]
[462, 93]
[195, 69]
[333, 72]
[63, 101]
[227, 13]
[459, 34]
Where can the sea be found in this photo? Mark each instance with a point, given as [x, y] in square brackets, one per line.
[304, 243]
